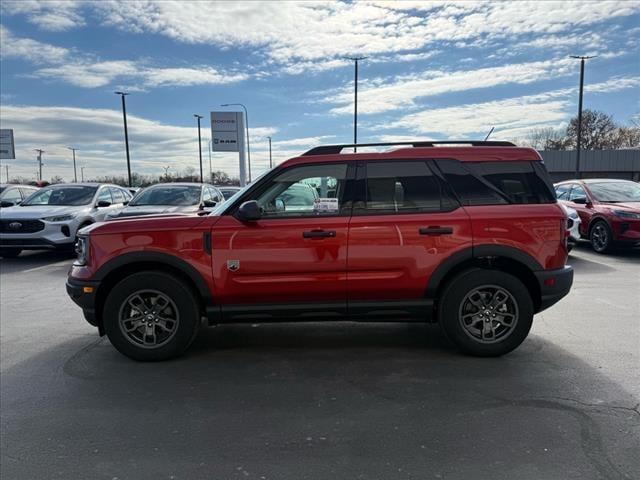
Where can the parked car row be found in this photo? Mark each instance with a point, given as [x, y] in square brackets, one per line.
[51, 217]
[609, 211]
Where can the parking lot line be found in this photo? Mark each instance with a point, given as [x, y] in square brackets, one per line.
[46, 267]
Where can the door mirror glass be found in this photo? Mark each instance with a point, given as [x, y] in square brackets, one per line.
[249, 211]
[280, 206]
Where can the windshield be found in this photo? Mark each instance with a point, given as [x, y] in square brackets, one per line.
[615, 191]
[168, 195]
[227, 193]
[67, 195]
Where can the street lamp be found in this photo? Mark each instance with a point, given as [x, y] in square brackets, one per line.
[210, 170]
[198, 117]
[126, 134]
[579, 140]
[270, 158]
[355, 105]
[246, 117]
[75, 172]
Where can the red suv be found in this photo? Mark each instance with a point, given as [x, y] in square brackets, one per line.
[609, 210]
[468, 235]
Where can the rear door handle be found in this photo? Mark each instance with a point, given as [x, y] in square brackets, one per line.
[319, 234]
[436, 231]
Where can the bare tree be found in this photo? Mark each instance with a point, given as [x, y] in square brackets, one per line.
[598, 131]
[546, 138]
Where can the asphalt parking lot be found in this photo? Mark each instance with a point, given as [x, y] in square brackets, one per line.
[323, 401]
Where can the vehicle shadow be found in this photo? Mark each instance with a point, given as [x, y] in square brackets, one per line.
[317, 400]
[626, 253]
[34, 259]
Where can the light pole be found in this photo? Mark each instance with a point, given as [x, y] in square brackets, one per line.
[198, 117]
[75, 172]
[40, 152]
[579, 140]
[82, 174]
[270, 157]
[210, 170]
[355, 103]
[126, 134]
[6, 169]
[246, 120]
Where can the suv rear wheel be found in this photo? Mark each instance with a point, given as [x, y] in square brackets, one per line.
[486, 312]
[151, 316]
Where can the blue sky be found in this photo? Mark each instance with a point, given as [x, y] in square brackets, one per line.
[436, 70]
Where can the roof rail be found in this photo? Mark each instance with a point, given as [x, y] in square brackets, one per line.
[334, 149]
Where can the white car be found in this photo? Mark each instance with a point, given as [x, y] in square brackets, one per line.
[573, 225]
[51, 217]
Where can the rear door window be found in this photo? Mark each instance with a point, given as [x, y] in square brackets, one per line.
[404, 187]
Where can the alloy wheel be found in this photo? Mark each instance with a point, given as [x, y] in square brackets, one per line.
[148, 318]
[599, 237]
[488, 314]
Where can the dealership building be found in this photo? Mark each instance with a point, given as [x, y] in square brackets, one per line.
[623, 164]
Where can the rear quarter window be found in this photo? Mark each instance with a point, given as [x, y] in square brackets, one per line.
[495, 183]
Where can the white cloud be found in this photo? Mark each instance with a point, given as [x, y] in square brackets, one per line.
[307, 35]
[48, 15]
[510, 117]
[32, 50]
[99, 136]
[401, 92]
[81, 70]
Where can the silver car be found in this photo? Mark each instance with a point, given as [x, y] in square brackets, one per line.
[573, 225]
[11, 194]
[51, 217]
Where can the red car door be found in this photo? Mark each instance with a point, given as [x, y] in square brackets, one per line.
[295, 254]
[406, 226]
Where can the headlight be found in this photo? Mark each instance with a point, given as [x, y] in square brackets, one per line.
[625, 214]
[82, 249]
[60, 218]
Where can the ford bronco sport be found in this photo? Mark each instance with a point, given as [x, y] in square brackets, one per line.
[468, 235]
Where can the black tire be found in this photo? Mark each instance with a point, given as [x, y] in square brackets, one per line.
[601, 237]
[454, 301]
[184, 304]
[10, 252]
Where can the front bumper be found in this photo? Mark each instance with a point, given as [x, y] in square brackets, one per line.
[554, 285]
[84, 293]
[52, 236]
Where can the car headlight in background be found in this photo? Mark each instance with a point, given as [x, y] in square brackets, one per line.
[82, 250]
[59, 218]
[625, 214]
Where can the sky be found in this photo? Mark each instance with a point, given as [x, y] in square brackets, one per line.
[434, 70]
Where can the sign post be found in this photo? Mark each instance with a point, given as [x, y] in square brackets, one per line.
[227, 135]
[7, 147]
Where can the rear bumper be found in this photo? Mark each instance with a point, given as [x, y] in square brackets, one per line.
[83, 293]
[554, 285]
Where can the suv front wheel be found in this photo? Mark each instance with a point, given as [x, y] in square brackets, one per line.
[151, 316]
[486, 313]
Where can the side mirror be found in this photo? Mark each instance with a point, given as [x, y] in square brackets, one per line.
[249, 211]
[126, 202]
[580, 200]
[280, 206]
[103, 203]
[209, 204]
[6, 203]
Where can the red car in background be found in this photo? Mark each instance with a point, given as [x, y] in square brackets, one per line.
[609, 210]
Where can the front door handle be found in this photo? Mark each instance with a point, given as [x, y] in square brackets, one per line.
[436, 231]
[319, 234]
